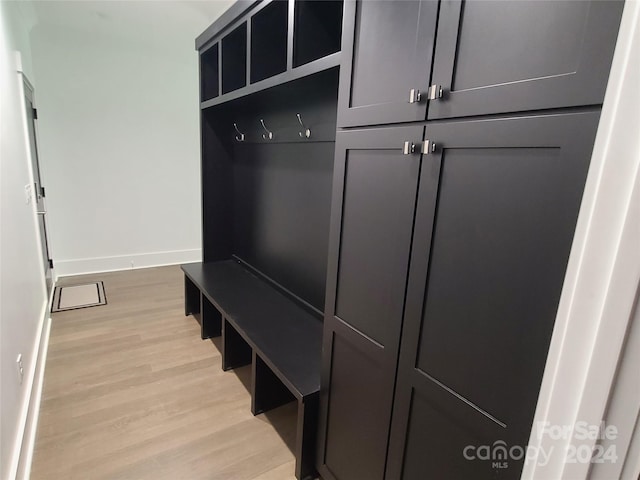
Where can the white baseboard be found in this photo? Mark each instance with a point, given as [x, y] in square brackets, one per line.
[33, 413]
[65, 268]
[30, 409]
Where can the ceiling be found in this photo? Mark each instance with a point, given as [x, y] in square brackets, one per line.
[160, 23]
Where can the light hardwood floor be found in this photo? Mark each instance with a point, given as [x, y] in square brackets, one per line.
[131, 392]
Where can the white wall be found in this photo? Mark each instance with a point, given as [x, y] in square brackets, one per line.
[118, 132]
[119, 143]
[23, 298]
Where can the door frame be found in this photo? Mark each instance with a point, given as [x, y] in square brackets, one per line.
[28, 92]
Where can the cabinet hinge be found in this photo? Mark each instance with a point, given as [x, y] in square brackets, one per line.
[428, 147]
[50, 263]
[42, 192]
[35, 113]
[414, 95]
[408, 148]
[435, 92]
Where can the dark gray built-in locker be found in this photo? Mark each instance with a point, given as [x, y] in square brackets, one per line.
[389, 196]
[450, 235]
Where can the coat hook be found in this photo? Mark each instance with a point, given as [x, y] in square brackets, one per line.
[268, 135]
[305, 131]
[240, 135]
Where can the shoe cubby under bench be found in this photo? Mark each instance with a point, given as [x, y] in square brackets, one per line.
[261, 326]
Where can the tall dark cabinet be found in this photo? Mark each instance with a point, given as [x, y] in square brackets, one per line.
[450, 234]
[389, 196]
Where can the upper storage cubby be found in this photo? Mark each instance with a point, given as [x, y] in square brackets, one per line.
[209, 84]
[234, 59]
[317, 29]
[263, 44]
[269, 41]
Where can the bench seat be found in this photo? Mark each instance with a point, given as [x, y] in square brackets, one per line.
[262, 327]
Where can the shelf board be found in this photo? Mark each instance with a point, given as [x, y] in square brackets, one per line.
[287, 337]
[324, 63]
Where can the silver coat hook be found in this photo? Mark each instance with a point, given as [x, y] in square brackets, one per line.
[305, 133]
[268, 135]
[240, 135]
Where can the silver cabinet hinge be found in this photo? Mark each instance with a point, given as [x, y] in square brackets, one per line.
[435, 92]
[408, 148]
[414, 95]
[428, 147]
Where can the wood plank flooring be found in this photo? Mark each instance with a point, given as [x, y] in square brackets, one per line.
[132, 392]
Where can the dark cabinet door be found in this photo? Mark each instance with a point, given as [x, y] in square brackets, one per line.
[484, 286]
[387, 48]
[374, 197]
[494, 56]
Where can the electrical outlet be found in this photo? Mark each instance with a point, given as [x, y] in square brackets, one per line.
[20, 368]
[28, 193]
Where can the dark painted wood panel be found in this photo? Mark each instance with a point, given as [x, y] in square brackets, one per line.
[217, 190]
[359, 413]
[496, 56]
[307, 436]
[323, 64]
[487, 273]
[282, 204]
[377, 219]
[314, 98]
[505, 222]
[268, 201]
[191, 298]
[387, 51]
[374, 195]
[441, 427]
[286, 337]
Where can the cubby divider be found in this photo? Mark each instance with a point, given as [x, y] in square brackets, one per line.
[192, 299]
